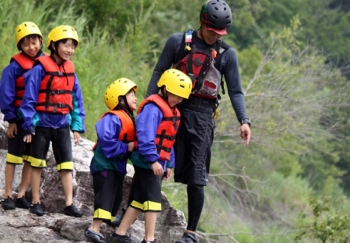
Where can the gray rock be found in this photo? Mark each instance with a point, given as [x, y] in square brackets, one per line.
[21, 226]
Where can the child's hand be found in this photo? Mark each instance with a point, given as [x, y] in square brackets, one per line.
[157, 169]
[168, 174]
[27, 138]
[130, 146]
[76, 136]
[11, 130]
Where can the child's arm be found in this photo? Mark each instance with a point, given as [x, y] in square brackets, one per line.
[8, 91]
[168, 174]
[170, 165]
[147, 123]
[78, 113]
[108, 129]
[33, 80]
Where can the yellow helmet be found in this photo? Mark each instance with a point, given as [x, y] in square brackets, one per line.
[119, 87]
[176, 82]
[25, 29]
[62, 32]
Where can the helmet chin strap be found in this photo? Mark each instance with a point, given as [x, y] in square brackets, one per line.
[55, 48]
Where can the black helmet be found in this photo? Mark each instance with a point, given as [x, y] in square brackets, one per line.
[216, 14]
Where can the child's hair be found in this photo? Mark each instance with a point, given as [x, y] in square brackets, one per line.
[27, 30]
[122, 98]
[64, 41]
[117, 90]
[61, 34]
[28, 37]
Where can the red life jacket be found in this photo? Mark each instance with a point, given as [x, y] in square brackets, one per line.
[55, 94]
[26, 63]
[127, 132]
[167, 129]
[202, 66]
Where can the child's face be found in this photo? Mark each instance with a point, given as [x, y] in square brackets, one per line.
[131, 100]
[66, 50]
[174, 100]
[30, 46]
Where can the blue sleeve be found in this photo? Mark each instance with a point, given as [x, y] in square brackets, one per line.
[78, 113]
[165, 61]
[108, 129]
[233, 83]
[8, 90]
[171, 163]
[32, 79]
[147, 123]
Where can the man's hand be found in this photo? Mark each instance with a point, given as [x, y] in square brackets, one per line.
[245, 133]
[11, 130]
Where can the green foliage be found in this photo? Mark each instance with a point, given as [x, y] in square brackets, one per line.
[113, 62]
[328, 224]
[249, 60]
[298, 101]
[177, 195]
[323, 20]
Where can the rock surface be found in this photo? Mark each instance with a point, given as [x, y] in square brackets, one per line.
[21, 226]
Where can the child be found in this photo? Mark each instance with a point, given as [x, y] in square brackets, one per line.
[156, 125]
[52, 105]
[115, 142]
[29, 42]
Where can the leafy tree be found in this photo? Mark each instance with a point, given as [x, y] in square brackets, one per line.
[297, 99]
[327, 223]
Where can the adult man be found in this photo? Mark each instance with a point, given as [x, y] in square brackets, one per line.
[195, 135]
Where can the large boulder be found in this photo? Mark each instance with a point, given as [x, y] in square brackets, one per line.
[21, 226]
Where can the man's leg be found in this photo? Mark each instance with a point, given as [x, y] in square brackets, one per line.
[195, 195]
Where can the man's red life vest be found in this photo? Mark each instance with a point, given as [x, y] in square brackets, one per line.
[55, 94]
[26, 63]
[167, 129]
[127, 132]
[202, 66]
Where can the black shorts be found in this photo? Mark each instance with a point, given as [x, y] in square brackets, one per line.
[61, 146]
[17, 150]
[193, 147]
[146, 193]
[108, 189]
